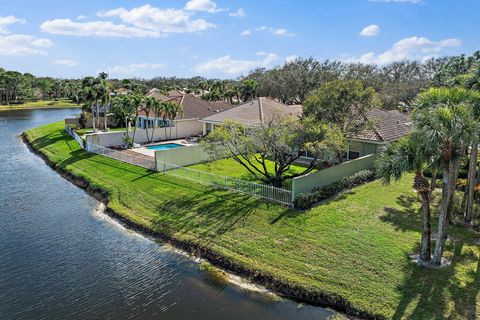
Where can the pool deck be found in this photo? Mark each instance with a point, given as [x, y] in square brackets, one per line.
[151, 153]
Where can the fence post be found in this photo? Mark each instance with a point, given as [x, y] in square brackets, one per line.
[293, 191]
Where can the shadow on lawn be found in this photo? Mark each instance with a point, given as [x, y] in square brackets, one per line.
[426, 292]
[208, 213]
[408, 218]
[54, 138]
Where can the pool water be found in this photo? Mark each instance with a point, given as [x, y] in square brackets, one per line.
[165, 146]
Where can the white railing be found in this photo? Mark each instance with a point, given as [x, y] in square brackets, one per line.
[75, 136]
[274, 194]
[140, 161]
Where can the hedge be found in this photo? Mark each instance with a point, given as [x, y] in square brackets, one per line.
[309, 199]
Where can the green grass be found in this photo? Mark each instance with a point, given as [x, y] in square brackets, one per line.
[62, 103]
[84, 131]
[356, 245]
[231, 168]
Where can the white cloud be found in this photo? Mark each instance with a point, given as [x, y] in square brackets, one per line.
[239, 13]
[66, 62]
[202, 5]
[281, 32]
[417, 48]
[81, 17]
[227, 64]
[159, 20]
[143, 21]
[23, 45]
[68, 27]
[291, 58]
[133, 69]
[370, 31]
[246, 33]
[8, 20]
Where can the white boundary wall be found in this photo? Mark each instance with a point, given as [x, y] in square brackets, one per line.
[182, 129]
[184, 156]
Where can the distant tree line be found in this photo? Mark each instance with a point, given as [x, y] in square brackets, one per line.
[396, 84]
[16, 87]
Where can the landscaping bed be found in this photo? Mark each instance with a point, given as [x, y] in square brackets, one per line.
[351, 252]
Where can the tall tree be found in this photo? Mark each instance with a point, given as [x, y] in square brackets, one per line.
[279, 140]
[443, 120]
[344, 103]
[408, 155]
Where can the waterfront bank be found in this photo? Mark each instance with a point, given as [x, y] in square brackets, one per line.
[62, 258]
[351, 252]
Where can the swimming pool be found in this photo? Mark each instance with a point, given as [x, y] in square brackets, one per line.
[165, 146]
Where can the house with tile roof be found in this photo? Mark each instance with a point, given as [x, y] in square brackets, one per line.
[251, 113]
[388, 126]
[187, 122]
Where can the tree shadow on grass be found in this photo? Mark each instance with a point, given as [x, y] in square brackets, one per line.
[146, 175]
[53, 138]
[426, 292]
[208, 214]
[405, 219]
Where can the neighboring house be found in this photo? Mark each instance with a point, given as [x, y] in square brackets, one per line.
[251, 113]
[193, 109]
[388, 126]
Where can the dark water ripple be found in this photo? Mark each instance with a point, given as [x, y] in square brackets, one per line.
[61, 259]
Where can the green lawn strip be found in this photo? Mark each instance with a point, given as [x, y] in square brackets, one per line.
[356, 245]
[62, 103]
[84, 131]
[230, 168]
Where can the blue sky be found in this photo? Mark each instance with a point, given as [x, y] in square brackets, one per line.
[216, 38]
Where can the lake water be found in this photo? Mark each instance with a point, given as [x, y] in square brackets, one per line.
[62, 259]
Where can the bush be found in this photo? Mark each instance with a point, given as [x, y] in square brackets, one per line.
[309, 199]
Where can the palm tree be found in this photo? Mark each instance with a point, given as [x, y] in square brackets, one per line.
[104, 96]
[444, 122]
[473, 83]
[157, 108]
[136, 101]
[172, 109]
[407, 155]
[147, 107]
[90, 96]
[122, 107]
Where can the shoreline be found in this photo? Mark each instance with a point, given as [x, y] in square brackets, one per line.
[283, 289]
[56, 105]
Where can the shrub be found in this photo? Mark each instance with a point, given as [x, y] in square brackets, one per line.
[309, 199]
[461, 184]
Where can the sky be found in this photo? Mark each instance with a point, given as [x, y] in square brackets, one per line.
[225, 39]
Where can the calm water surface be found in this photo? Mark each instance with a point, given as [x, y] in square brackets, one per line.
[62, 259]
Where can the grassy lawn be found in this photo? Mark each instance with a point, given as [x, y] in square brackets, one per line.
[62, 103]
[84, 131]
[356, 246]
[231, 168]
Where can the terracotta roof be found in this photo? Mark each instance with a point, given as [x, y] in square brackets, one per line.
[192, 107]
[389, 125]
[256, 111]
